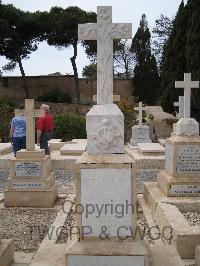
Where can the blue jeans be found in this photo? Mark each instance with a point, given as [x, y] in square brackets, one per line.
[18, 144]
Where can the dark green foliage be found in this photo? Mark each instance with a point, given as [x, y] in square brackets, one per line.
[8, 101]
[182, 55]
[56, 96]
[146, 80]
[90, 71]
[68, 127]
[6, 115]
[174, 61]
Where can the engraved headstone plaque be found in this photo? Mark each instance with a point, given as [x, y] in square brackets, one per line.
[188, 159]
[28, 185]
[184, 189]
[28, 169]
[81, 260]
[108, 190]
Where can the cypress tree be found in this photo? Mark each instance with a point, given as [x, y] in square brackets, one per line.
[146, 81]
[174, 62]
[192, 51]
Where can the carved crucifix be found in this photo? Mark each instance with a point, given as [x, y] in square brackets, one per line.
[104, 31]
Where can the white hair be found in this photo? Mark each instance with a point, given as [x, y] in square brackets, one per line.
[45, 107]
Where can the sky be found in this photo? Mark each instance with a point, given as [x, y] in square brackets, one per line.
[48, 59]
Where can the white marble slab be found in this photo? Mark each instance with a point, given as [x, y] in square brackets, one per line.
[78, 147]
[188, 159]
[107, 186]
[184, 189]
[81, 260]
[23, 169]
[151, 148]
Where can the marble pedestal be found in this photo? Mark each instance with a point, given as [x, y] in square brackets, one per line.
[182, 169]
[140, 134]
[106, 253]
[105, 129]
[6, 252]
[106, 194]
[31, 182]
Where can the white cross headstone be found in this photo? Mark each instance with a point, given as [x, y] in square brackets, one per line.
[180, 104]
[30, 113]
[140, 109]
[187, 84]
[104, 31]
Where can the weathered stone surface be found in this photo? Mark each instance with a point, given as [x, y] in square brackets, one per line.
[187, 127]
[100, 182]
[105, 129]
[140, 134]
[151, 148]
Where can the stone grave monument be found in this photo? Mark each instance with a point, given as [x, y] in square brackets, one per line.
[105, 171]
[177, 189]
[31, 182]
[183, 151]
[6, 252]
[140, 132]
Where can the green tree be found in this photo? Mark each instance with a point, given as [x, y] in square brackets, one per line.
[161, 33]
[18, 38]
[146, 81]
[62, 32]
[90, 71]
[192, 51]
[174, 60]
[124, 58]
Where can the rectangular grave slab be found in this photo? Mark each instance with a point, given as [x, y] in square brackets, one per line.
[96, 190]
[151, 148]
[106, 260]
[78, 148]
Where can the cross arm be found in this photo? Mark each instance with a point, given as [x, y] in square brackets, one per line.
[121, 31]
[179, 84]
[87, 31]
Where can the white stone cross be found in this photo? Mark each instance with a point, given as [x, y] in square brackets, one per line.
[180, 104]
[140, 109]
[30, 113]
[104, 31]
[187, 84]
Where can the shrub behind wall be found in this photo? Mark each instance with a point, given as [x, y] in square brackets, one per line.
[68, 127]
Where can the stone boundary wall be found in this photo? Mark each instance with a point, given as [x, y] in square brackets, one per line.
[39, 85]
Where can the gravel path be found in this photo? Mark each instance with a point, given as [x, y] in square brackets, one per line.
[65, 181]
[193, 218]
[146, 175]
[27, 227]
[4, 173]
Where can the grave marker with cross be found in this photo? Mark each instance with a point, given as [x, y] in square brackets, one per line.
[187, 84]
[140, 109]
[180, 104]
[104, 31]
[30, 114]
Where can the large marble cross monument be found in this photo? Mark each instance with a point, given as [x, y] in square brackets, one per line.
[105, 121]
[104, 31]
[30, 114]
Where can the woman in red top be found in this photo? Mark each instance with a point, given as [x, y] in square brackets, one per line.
[45, 127]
